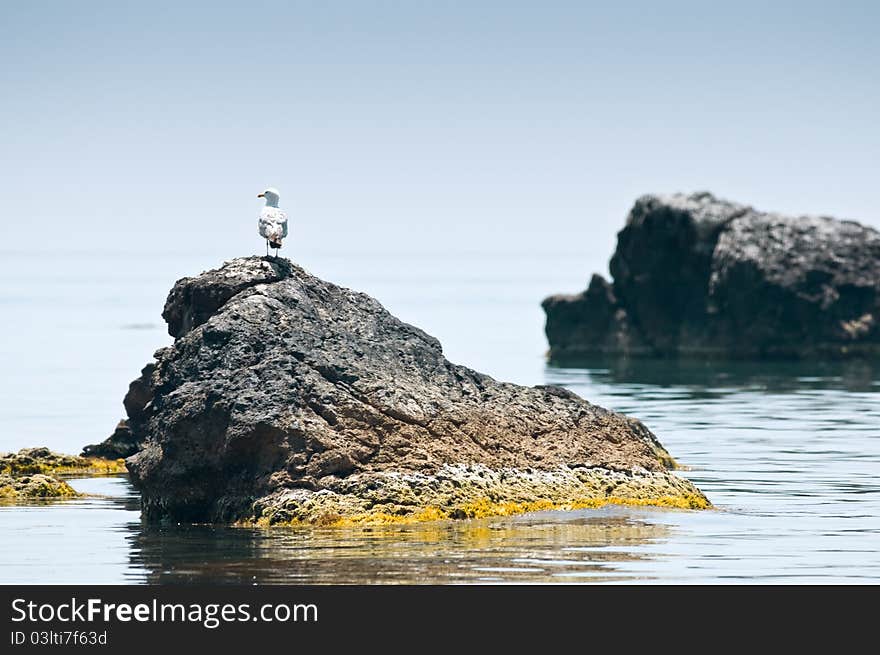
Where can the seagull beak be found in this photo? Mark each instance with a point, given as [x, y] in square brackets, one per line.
[261, 195]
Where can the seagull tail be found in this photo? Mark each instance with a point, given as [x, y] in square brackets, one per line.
[275, 243]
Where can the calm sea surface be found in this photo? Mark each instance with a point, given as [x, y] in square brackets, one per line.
[788, 453]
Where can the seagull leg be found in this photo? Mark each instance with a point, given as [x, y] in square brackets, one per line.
[267, 247]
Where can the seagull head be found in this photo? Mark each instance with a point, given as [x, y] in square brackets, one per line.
[271, 195]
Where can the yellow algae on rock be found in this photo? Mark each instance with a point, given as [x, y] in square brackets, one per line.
[34, 473]
[472, 492]
[42, 460]
[36, 485]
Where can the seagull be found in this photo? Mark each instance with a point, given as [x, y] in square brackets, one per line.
[272, 221]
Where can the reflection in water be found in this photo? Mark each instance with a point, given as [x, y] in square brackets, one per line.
[73, 541]
[713, 375]
[788, 452]
[560, 546]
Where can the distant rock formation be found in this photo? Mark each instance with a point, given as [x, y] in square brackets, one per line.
[120, 444]
[695, 275]
[286, 399]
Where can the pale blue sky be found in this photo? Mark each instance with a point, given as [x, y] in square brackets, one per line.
[472, 126]
[457, 160]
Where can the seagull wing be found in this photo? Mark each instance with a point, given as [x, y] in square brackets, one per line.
[272, 223]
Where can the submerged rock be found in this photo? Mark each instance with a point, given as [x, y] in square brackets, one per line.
[32, 472]
[35, 485]
[42, 460]
[288, 399]
[695, 275]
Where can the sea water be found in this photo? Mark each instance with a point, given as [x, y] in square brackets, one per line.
[789, 453]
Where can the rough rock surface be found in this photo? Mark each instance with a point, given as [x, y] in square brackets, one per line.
[35, 485]
[695, 275]
[119, 444]
[31, 472]
[42, 460]
[286, 399]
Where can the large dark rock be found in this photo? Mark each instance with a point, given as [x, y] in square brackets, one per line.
[695, 275]
[286, 399]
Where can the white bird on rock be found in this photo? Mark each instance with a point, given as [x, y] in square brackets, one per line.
[272, 221]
